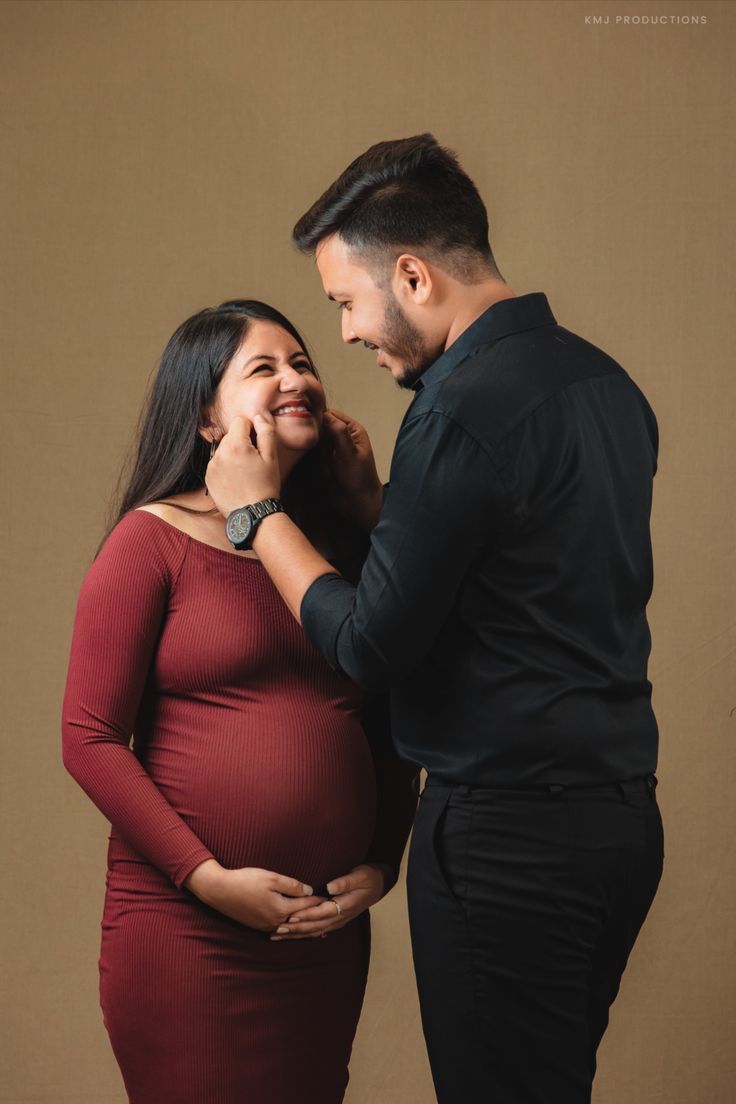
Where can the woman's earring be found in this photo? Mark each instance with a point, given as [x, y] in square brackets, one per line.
[213, 446]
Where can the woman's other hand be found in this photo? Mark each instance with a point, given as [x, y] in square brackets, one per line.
[354, 893]
[260, 899]
[352, 468]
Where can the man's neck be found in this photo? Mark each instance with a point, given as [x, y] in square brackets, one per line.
[473, 303]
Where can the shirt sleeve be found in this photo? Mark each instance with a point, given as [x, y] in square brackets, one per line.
[445, 503]
[119, 616]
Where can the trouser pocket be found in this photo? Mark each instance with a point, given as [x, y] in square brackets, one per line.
[439, 854]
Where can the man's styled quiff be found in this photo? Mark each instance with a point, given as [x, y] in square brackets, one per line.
[400, 194]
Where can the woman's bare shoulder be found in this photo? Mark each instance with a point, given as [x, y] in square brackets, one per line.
[177, 511]
[160, 509]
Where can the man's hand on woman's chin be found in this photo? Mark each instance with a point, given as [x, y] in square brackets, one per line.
[241, 472]
[351, 465]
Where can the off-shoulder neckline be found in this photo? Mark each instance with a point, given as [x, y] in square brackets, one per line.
[195, 540]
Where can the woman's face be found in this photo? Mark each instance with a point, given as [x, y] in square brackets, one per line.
[271, 373]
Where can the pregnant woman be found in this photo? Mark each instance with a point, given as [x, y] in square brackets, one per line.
[260, 811]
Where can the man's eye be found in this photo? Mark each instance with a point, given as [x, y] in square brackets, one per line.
[344, 306]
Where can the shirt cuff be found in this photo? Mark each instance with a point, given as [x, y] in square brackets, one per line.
[325, 607]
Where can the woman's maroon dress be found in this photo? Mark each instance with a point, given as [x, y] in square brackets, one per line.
[247, 748]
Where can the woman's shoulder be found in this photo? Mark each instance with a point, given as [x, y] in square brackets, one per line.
[160, 509]
[135, 568]
[184, 512]
[140, 517]
[144, 537]
[168, 511]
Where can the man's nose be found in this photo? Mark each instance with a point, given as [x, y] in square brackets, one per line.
[347, 329]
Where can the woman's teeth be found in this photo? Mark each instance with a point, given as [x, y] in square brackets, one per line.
[292, 410]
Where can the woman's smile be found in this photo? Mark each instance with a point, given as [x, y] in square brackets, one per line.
[299, 409]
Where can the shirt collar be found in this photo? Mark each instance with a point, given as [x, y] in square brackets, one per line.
[508, 316]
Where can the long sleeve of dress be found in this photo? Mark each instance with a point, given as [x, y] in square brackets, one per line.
[120, 611]
[396, 786]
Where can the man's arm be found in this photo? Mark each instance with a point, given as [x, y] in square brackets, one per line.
[291, 561]
[240, 473]
[445, 503]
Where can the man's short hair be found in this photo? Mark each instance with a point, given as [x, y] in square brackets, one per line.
[410, 192]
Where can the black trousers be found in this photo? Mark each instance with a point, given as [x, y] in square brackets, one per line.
[524, 906]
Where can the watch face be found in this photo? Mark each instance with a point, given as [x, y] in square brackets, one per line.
[239, 526]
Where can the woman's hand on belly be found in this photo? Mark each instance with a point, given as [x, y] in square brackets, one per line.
[351, 895]
[260, 899]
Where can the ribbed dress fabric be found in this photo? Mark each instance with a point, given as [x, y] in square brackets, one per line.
[247, 748]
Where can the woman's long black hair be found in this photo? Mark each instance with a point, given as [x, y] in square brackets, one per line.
[171, 456]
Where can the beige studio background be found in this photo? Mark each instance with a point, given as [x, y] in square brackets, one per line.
[154, 158]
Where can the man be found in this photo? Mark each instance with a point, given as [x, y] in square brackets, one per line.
[503, 601]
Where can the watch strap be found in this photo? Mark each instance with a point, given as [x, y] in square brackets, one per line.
[265, 507]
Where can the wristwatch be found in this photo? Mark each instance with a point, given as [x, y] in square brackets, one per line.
[241, 524]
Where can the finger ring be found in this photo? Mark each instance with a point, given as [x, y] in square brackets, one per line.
[337, 906]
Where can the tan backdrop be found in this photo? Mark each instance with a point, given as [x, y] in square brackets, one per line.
[154, 158]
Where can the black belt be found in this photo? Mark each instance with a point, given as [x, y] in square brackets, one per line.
[623, 787]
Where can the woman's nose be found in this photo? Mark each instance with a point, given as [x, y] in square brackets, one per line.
[291, 379]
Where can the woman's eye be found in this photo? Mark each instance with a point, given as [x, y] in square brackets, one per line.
[344, 306]
[300, 365]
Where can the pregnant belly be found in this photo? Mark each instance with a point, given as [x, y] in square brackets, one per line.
[287, 794]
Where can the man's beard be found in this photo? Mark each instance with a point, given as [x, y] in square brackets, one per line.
[401, 339]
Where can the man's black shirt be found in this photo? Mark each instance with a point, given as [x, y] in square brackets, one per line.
[503, 598]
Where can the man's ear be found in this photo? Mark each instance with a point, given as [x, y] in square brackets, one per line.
[412, 279]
